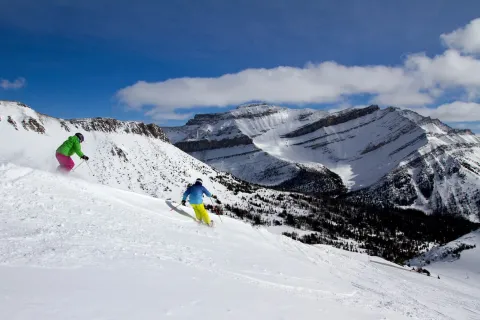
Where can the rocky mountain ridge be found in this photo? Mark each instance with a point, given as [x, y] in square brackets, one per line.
[389, 155]
[218, 141]
[34, 121]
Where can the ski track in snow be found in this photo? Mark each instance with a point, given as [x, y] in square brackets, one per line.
[70, 249]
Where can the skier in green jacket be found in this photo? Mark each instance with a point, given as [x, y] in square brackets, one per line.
[67, 149]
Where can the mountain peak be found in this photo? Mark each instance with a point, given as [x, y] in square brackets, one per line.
[253, 105]
[242, 111]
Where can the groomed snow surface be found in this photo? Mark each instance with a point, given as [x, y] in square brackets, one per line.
[71, 249]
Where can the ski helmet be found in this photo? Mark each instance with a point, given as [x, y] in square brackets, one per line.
[199, 181]
[80, 136]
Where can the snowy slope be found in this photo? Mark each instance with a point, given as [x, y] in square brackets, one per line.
[459, 259]
[368, 148]
[70, 249]
[126, 155]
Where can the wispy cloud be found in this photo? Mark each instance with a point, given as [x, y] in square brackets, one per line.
[465, 39]
[421, 80]
[12, 85]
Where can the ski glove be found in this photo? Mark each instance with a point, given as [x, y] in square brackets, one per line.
[84, 157]
[183, 202]
[214, 196]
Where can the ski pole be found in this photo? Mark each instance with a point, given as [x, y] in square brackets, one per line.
[90, 168]
[213, 204]
[175, 207]
[78, 165]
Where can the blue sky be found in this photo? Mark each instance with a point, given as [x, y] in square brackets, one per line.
[77, 57]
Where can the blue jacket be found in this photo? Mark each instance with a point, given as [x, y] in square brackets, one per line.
[196, 193]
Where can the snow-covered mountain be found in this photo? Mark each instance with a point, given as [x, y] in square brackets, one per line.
[137, 157]
[70, 249]
[394, 156]
[229, 142]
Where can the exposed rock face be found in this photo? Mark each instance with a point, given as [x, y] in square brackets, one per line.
[116, 151]
[12, 122]
[64, 125]
[246, 112]
[442, 181]
[331, 121]
[396, 135]
[200, 119]
[204, 144]
[34, 125]
[113, 125]
[314, 181]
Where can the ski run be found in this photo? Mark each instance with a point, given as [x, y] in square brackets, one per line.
[73, 249]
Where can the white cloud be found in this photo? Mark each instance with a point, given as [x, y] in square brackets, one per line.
[403, 98]
[453, 112]
[465, 39]
[321, 83]
[451, 69]
[160, 116]
[419, 82]
[17, 84]
[325, 82]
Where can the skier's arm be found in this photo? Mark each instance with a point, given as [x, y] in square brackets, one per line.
[207, 193]
[186, 193]
[77, 148]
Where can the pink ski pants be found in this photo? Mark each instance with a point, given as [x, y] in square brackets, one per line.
[66, 163]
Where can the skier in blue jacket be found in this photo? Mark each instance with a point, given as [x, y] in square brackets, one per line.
[196, 192]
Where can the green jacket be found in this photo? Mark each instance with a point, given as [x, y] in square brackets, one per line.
[71, 146]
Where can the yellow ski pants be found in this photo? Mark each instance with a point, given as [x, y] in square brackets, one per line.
[201, 213]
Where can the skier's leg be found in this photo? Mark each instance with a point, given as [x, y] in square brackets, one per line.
[70, 164]
[60, 167]
[66, 163]
[198, 213]
[204, 214]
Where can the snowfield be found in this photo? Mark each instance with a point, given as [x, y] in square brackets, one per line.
[445, 262]
[72, 249]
